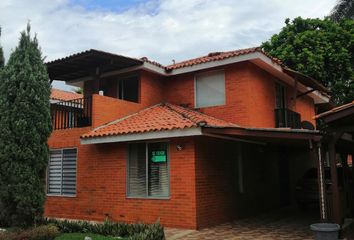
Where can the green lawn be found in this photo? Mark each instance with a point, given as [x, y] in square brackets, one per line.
[81, 236]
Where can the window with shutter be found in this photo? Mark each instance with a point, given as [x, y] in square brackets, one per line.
[148, 170]
[210, 89]
[62, 172]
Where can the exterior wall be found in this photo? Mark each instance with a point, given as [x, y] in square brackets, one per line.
[101, 186]
[219, 198]
[250, 96]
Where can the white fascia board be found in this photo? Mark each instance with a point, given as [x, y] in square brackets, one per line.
[143, 136]
[218, 63]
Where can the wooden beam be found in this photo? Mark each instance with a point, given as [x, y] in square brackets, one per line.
[336, 205]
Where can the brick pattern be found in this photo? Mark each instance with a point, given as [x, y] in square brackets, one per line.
[250, 96]
[101, 188]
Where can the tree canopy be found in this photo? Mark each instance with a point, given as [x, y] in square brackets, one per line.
[25, 128]
[322, 49]
[344, 9]
[2, 59]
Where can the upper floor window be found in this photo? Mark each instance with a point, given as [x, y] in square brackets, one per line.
[210, 89]
[128, 88]
[280, 96]
[61, 179]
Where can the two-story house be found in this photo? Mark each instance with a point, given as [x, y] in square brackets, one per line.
[193, 144]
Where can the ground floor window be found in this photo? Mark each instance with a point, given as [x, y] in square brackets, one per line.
[148, 170]
[61, 178]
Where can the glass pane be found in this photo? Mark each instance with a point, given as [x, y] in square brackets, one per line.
[158, 170]
[137, 170]
[210, 89]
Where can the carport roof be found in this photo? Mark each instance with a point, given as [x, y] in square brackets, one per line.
[84, 63]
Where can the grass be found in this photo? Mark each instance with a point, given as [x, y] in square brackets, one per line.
[81, 236]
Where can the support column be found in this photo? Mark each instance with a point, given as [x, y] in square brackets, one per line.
[337, 216]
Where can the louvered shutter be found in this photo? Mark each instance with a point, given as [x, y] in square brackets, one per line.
[158, 170]
[54, 172]
[69, 172]
[137, 170]
[62, 172]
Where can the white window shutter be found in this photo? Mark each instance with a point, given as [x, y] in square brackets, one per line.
[210, 89]
[137, 170]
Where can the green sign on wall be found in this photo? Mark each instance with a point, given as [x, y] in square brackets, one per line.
[158, 156]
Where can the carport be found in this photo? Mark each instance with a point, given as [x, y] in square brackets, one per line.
[338, 142]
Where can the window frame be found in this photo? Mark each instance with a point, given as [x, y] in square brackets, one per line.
[120, 91]
[61, 187]
[127, 195]
[195, 87]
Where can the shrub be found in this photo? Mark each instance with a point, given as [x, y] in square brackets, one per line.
[134, 231]
[45, 232]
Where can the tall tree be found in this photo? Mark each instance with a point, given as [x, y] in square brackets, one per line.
[344, 9]
[321, 49]
[2, 59]
[25, 128]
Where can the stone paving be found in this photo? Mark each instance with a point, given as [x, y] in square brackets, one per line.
[281, 225]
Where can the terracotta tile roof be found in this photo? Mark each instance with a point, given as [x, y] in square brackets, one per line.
[216, 56]
[334, 110]
[213, 56]
[161, 117]
[62, 95]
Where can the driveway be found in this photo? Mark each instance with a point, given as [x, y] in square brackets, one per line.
[285, 224]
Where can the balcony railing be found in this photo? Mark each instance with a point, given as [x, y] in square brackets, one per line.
[285, 118]
[71, 114]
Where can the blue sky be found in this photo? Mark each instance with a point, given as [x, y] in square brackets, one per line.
[162, 30]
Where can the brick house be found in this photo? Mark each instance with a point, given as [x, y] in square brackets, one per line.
[193, 144]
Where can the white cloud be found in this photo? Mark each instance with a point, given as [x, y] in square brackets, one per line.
[161, 30]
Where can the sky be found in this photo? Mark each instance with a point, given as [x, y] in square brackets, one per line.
[162, 30]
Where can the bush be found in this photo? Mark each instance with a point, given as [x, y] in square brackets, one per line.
[45, 232]
[134, 231]
[152, 232]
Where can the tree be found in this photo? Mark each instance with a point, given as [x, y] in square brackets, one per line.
[2, 59]
[321, 49]
[343, 9]
[25, 128]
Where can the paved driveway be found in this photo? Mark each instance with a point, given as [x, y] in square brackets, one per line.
[286, 224]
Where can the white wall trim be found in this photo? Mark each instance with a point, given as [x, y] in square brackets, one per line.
[143, 136]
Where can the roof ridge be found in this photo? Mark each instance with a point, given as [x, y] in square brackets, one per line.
[58, 89]
[195, 111]
[126, 117]
[181, 114]
[212, 55]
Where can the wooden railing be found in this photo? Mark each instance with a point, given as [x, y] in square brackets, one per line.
[71, 114]
[285, 117]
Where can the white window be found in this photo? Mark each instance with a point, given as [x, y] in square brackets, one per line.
[148, 170]
[210, 89]
[61, 178]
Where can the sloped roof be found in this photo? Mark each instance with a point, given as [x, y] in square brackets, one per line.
[161, 117]
[217, 56]
[335, 110]
[58, 94]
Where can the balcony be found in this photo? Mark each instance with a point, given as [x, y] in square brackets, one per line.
[286, 118]
[71, 114]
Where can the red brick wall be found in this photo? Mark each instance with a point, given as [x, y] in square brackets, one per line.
[101, 186]
[250, 96]
[106, 109]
